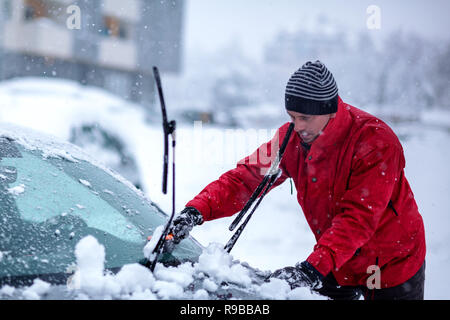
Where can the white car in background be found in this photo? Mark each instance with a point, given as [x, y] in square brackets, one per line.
[101, 123]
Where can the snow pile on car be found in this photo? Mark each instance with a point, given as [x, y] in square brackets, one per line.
[215, 269]
[219, 265]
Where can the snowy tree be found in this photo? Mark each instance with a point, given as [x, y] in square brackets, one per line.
[439, 77]
[406, 70]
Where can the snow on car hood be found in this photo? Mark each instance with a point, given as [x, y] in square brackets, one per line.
[215, 272]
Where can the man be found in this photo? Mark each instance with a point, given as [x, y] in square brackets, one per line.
[348, 169]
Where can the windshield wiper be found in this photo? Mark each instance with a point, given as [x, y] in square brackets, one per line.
[169, 129]
[269, 179]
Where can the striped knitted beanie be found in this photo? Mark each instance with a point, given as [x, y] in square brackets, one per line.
[312, 90]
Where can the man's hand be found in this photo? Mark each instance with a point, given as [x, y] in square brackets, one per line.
[184, 222]
[302, 275]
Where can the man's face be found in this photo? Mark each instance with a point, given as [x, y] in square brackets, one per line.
[309, 127]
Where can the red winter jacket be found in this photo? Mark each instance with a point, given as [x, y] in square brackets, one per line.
[353, 191]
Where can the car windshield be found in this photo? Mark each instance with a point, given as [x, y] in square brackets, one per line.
[47, 204]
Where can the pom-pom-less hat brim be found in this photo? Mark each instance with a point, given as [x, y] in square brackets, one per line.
[311, 107]
[312, 90]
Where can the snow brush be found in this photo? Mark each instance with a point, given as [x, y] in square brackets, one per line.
[269, 179]
[169, 129]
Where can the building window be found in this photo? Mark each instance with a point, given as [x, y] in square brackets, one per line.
[29, 13]
[51, 9]
[35, 9]
[114, 27]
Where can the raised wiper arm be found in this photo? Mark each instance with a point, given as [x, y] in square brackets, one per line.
[169, 129]
[268, 180]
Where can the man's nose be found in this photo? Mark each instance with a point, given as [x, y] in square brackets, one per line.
[299, 125]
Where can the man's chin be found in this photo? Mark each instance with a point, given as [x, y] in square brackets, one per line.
[308, 139]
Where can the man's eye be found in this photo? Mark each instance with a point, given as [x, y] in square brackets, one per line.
[303, 118]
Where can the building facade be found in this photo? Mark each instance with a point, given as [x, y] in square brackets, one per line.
[111, 44]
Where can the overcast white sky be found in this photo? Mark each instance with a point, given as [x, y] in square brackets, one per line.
[211, 24]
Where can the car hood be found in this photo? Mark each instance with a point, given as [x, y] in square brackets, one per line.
[215, 276]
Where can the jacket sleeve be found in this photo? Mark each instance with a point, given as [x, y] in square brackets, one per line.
[228, 194]
[377, 164]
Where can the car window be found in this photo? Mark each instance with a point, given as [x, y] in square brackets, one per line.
[48, 204]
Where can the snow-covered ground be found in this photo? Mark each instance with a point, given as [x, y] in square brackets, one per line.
[278, 234]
